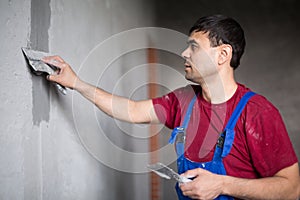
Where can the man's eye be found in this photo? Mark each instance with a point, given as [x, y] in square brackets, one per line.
[193, 46]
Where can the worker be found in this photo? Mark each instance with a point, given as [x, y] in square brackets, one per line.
[231, 141]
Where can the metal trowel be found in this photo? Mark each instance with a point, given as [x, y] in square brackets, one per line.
[39, 67]
[167, 173]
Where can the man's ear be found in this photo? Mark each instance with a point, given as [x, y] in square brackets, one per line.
[225, 54]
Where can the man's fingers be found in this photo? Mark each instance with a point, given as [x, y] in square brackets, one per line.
[51, 78]
[54, 60]
[192, 173]
[58, 58]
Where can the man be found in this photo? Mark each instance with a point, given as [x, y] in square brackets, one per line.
[243, 156]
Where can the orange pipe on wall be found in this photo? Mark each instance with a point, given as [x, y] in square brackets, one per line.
[154, 140]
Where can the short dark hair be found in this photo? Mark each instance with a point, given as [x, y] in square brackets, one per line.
[223, 30]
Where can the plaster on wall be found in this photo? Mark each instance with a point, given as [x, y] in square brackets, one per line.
[39, 38]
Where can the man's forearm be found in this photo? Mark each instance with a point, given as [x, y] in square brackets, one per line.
[118, 107]
[266, 188]
[113, 105]
[275, 188]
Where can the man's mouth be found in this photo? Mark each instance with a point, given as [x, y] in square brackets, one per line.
[187, 65]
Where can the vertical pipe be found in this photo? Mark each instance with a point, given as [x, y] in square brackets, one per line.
[154, 145]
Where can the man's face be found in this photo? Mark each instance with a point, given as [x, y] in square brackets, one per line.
[200, 58]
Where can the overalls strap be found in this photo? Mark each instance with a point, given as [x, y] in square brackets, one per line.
[225, 140]
[238, 110]
[185, 123]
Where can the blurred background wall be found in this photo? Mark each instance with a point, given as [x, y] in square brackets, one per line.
[270, 64]
[54, 146]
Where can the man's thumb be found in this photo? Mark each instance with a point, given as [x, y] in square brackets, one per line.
[192, 173]
[51, 78]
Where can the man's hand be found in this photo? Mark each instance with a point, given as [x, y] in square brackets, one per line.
[65, 75]
[206, 185]
[285, 184]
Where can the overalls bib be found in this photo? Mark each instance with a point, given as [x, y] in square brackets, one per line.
[222, 149]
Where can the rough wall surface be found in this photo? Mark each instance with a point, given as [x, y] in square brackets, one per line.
[16, 126]
[42, 155]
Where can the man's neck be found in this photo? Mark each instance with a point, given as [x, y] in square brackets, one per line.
[217, 90]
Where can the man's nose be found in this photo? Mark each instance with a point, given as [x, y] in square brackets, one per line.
[185, 54]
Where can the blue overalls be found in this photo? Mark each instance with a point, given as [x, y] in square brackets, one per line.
[222, 149]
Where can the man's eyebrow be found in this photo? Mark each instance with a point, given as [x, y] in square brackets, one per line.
[192, 41]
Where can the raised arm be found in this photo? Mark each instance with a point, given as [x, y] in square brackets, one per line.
[118, 107]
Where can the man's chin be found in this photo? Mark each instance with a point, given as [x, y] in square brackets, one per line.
[192, 79]
[189, 78]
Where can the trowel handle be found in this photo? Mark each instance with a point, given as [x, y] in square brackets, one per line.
[61, 88]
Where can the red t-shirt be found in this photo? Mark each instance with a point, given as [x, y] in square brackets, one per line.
[261, 144]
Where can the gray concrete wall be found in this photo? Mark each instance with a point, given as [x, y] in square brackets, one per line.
[270, 65]
[44, 149]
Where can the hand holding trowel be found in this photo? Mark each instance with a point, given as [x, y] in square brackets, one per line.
[167, 173]
[39, 67]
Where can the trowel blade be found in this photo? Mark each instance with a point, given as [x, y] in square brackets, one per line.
[35, 61]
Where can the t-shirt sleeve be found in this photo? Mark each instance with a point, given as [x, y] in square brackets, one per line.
[166, 108]
[269, 144]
